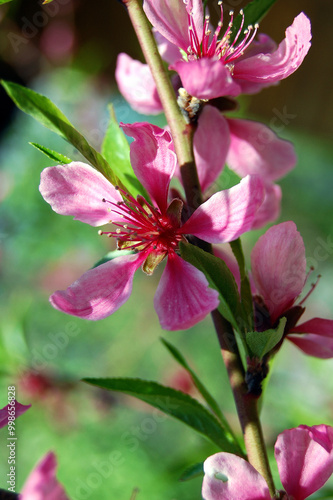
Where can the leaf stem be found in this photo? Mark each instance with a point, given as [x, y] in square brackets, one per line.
[182, 133]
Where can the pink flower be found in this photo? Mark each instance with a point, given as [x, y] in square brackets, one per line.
[152, 228]
[305, 461]
[17, 407]
[212, 66]
[279, 274]
[42, 483]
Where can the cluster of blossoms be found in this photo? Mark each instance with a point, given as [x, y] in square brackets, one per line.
[210, 68]
[154, 228]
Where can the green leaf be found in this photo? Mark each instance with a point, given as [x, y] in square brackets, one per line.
[174, 403]
[47, 113]
[219, 277]
[260, 343]
[198, 384]
[112, 255]
[254, 12]
[58, 157]
[4, 1]
[246, 294]
[116, 151]
[192, 472]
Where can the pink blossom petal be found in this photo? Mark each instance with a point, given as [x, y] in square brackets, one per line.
[228, 477]
[279, 267]
[317, 339]
[78, 189]
[256, 149]
[264, 44]
[305, 459]
[168, 51]
[227, 214]
[206, 78]
[100, 291]
[183, 298]
[210, 143]
[137, 85]
[170, 18]
[273, 67]
[153, 159]
[313, 345]
[195, 9]
[247, 87]
[17, 407]
[42, 483]
[270, 209]
[318, 326]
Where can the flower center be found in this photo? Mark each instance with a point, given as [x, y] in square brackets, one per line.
[212, 46]
[143, 227]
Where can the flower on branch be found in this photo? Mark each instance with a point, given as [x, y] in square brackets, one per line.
[304, 457]
[218, 63]
[151, 228]
[279, 276]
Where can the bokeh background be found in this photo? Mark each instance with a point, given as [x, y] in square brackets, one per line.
[111, 446]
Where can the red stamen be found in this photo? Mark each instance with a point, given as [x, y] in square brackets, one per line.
[212, 47]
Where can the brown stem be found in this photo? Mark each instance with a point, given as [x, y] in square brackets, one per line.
[246, 404]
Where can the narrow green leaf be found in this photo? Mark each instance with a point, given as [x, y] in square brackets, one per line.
[219, 277]
[58, 157]
[260, 343]
[47, 113]
[192, 472]
[112, 255]
[174, 403]
[4, 1]
[116, 151]
[246, 294]
[254, 12]
[198, 384]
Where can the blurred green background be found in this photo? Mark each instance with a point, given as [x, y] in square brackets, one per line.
[107, 444]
